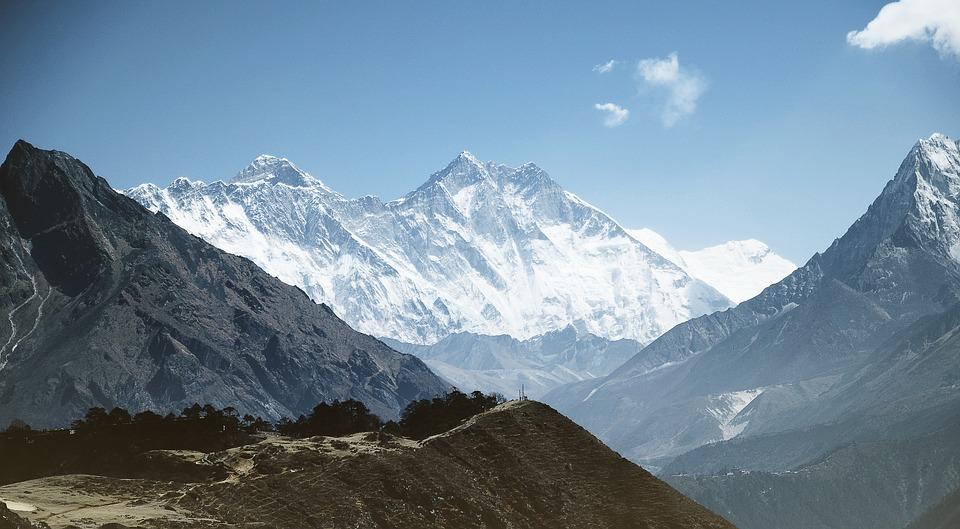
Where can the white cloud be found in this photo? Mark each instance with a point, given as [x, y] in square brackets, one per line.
[684, 87]
[606, 67]
[615, 116]
[933, 21]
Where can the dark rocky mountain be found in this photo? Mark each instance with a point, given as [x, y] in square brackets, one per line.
[519, 465]
[106, 304]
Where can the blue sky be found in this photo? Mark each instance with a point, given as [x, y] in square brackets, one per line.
[792, 133]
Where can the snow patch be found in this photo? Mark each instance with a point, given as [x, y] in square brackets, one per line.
[727, 406]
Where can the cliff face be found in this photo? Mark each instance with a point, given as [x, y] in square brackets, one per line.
[103, 303]
[519, 465]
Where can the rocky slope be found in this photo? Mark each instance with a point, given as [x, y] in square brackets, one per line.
[104, 303]
[504, 364]
[480, 247]
[519, 465]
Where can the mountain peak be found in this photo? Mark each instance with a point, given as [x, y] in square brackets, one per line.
[937, 138]
[464, 170]
[268, 158]
[275, 170]
[468, 156]
[920, 203]
[936, 142]
[942, 152]
[931, 168]
[465, 161]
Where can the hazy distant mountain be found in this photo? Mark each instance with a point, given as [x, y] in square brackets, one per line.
[858, 345]
[107, 304]
[480, 248]
[738, 269]
[504, 364]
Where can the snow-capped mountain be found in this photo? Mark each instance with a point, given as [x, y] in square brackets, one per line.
[480, 247]
[738, 269]
[858, 343]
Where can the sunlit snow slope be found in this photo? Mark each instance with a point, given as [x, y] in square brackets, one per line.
[738, 269]
[480, 247]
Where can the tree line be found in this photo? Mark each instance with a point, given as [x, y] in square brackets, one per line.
[419, 420]
[107, 442]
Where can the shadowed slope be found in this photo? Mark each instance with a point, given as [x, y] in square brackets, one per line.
[103, 303]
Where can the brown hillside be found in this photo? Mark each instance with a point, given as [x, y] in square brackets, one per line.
[519, 465]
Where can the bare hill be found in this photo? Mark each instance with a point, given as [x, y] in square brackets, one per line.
[519, 465]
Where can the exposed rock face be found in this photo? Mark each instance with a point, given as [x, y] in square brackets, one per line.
[103, 303]
[518, 465]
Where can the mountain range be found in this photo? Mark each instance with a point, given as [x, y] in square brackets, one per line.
[107, 304]
[857, 346]
[479, 248]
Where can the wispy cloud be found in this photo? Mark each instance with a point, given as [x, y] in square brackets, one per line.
[933, 21]
[614, 115]
[682, 85]
[606, 67]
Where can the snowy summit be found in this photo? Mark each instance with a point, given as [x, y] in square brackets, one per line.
[479, 247]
